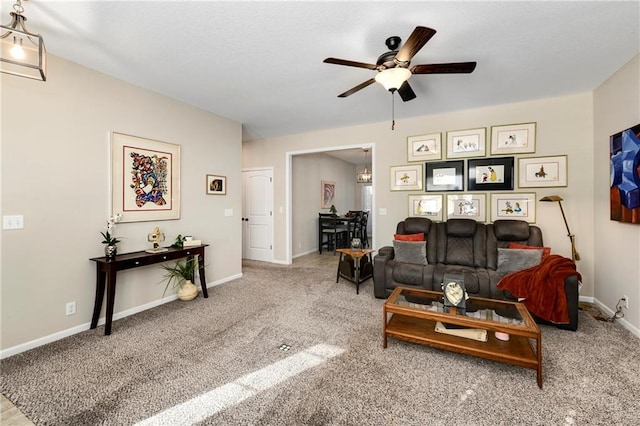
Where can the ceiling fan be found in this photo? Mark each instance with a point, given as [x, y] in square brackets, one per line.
[394, 66]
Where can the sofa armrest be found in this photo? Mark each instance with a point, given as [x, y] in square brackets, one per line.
[385, 254]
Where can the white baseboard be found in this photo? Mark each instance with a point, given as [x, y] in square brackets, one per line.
[116, 316]
[626, 324]
[305, 253]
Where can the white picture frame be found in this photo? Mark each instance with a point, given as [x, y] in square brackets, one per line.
[542, 172]
[467, 206]
[429, 206]
[513, 139]
[424, 147]
[467, 143]
[406, 178]
[514, 205]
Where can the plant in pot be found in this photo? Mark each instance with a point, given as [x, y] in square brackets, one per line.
[180, 276]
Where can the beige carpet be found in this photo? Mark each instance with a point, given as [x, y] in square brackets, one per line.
[199, 354]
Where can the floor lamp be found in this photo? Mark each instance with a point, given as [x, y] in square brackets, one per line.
[552, 198]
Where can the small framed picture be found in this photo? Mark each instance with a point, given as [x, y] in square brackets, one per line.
[429, 206]
[466, 143]
[445, 176]
[542, 172]
[406, 178]
[216, 185]
[514, 205]
[327, 194]
[467, 206]
[424, 147]
[490, 174]
[513, 139]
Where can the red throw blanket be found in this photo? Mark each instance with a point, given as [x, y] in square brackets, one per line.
[542, 287]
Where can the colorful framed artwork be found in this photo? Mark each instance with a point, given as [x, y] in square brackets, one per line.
[467, 206]
[327, 194]
[467, 143]
[406, 178]
[445, 176]
[145, 179]
[490, 174]
[542, 172]
[429, 206]
[216, 185]
[513, 139]
[424, 147]
[624, 161]
[513, 205]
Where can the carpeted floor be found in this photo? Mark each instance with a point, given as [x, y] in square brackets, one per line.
[180, 351]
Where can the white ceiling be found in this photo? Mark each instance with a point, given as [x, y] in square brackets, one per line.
[260, 63]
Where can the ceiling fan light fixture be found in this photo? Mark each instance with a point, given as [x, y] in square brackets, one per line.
[393, 78]
[22, 53]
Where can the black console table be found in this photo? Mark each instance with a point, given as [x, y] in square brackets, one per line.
[107, 268]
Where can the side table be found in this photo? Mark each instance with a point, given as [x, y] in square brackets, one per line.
[352, 269]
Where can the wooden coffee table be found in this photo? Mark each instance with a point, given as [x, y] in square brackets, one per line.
[411, 315]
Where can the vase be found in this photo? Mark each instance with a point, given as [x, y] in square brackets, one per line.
[110, 250]
[187, 291]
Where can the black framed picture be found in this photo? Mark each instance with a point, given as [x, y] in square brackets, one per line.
[445, 176]
[489, 174]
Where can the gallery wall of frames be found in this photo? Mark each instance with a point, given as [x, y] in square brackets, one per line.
[479, 174]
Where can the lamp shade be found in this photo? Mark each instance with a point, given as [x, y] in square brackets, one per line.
[393, 78]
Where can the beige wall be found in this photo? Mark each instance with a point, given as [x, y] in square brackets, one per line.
[55, 172]
[564, 126]
[617, 244]
[308, 170]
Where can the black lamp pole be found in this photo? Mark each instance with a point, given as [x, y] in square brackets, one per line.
[574, 254]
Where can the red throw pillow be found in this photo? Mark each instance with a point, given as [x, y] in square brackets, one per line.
[546, 251]
[409, 237]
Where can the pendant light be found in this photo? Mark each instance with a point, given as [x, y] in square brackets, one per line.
[22, 53]
[365, 176]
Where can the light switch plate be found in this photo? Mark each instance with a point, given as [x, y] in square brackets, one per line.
[13, 222]
[228, 212]
[382, 211]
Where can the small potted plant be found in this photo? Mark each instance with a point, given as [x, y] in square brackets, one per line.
[180, 276]
[333, 209]
[110, 248]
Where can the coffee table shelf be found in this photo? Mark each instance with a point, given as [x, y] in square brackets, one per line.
[417, 325]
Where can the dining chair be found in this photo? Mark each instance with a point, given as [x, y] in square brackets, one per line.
[336, 233]
[364, 236]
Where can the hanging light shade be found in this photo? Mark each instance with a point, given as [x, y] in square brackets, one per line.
[365, 176]
[22, 53]
[393, 78]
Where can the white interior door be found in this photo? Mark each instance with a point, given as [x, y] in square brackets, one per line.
[257, 215]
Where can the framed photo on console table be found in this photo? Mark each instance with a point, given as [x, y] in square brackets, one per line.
[445, 176]
[542, 172]
[514, 205]
[490, 174]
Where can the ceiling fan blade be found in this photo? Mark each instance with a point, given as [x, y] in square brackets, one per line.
[451, 68]
[350, 63]
[418, 38]
[406, 92]
[358, 87]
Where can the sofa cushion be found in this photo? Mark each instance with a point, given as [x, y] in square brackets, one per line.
[408, 273]
[546, 251]
[409, 237]
[414, 225]
[512, 260]
[410, 252]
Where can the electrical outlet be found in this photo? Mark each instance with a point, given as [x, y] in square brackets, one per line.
[71, 308]
[625, 301]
